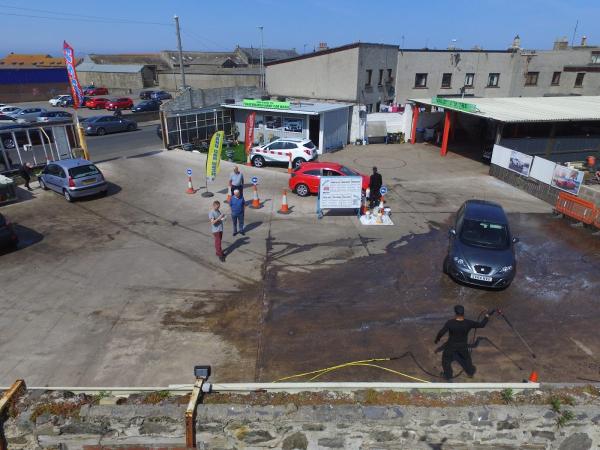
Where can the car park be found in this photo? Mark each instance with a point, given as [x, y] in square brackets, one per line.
[95, 91]
[73, 178]
[96, 103]
[146, 95]
[101, 125]
[302, 150]
[305, 179]
[8, 237]
[54, 116]
[119, 103]
[160, 95]
[147, 105]
[56, 101]
[28, 114]
[481, 246]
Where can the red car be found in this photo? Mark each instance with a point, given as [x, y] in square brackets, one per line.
[305, 179]
[96, 91]
[97, 103]
[120, 103]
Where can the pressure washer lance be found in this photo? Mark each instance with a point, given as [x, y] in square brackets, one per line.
[516, 332]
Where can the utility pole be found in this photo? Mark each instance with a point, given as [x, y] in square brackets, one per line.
[183, 85]
[262, 59]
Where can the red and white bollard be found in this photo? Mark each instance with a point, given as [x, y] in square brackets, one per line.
[255, 201]
[190, 188]
[290, 162]
[284, 204]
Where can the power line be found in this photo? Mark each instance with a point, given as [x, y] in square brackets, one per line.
[201, 39]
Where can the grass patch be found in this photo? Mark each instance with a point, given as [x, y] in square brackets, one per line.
[507, 395]
[239, 155]
[156, 397]
[555, 404]
[564, 418]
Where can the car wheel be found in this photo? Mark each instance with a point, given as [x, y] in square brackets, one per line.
[100, 131]
[302, 190]
[258, 161]
[67, 195]
[131, 127]
[42, 184]
[8, 143]
[296, 163]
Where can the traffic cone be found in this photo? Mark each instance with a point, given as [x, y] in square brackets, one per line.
[190, 189]
[284, 205]
[381, 202]
[248, 162]
[228, 199]
[533, 377]
[290, 162]
[255, 201]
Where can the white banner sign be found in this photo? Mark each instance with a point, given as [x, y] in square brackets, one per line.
[340, 192]
[501, 156]
[542, 170]
[567, 179]
[512, 160]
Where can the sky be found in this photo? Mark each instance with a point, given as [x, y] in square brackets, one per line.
[126, 26]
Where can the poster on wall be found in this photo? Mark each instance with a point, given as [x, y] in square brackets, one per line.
[520, 162]
[294, 125]
[567, 179]
[542, 170]
[501, 156]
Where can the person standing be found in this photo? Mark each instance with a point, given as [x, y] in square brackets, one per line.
[375, 183]
[236, 181]
[25, 171]
[456, 348]
[237, 205]
[216, 226]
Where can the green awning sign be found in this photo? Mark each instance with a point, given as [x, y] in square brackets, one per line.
[267, 104]
[454, 104]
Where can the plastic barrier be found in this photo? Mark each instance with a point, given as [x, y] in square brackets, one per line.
[574, 207]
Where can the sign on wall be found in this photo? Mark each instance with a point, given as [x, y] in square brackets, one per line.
[542, 170]
[340, 192]
[454, 104]
[520, 162]
[268, 104]
[567, 179]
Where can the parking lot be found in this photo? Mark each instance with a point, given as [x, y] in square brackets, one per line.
[126, 290]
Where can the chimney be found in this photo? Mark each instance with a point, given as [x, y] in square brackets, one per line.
[323, 46]
[561, 44]
[516, 42]
[583, 41]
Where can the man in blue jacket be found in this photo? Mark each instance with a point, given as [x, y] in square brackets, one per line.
[237, 205]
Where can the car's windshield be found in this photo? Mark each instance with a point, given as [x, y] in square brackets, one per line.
[309, 144]
[83, 171]
[484, 234]
[347, 171]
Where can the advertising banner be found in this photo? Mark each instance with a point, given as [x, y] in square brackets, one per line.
[213, 159]
[340, 192]
[567, 179]
[520, 162]
[76, 91]
[501, 156]
[542, 170]
[249, 134]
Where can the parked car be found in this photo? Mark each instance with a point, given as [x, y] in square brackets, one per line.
[306, 178]
[54, 116]
[101, 125]
[302, 150]
[481, 247]
[73, 178]
[119, 103]
[9, 110]
[147, 105]
[58, 99]
[92, 90]
[8, 237]
[28, 114]
[96, 103]
[146, 95]
[4, 118]
[160, 95]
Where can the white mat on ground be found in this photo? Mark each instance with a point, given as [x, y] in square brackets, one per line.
[372, 220]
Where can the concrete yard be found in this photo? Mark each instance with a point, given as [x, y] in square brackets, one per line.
[126, 290]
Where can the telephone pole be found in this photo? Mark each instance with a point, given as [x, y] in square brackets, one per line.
[262, 59]
[183, 85]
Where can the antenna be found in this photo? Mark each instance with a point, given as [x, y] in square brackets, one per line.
[574, 31]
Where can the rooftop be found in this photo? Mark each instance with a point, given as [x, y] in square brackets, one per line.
[37, 60]
[296, 107]
[88, 66]
[529, 109]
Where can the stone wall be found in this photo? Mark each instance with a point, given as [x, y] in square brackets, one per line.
[199, 98]
[528, 421]
[534, 187]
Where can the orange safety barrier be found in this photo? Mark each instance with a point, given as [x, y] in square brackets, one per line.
[574, 207]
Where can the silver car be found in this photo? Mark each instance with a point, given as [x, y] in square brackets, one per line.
[73, 178]
[54, 116]
[28, 114]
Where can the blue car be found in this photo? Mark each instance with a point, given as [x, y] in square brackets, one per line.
[147, 105]
[73, 178]
[160, 95]
[101, 125]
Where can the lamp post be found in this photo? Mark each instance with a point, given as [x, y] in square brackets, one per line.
[262, 58]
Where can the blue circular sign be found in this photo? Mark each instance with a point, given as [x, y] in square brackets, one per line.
[254, 180]
[189, 172]
[383, 190]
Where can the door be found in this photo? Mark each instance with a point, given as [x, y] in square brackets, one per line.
[314, 127]
[313, 180]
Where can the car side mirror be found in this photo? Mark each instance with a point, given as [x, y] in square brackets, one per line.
[452, 232]
[515, 240]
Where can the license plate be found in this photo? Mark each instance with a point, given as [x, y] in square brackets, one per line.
[89, 181]
[480, 277]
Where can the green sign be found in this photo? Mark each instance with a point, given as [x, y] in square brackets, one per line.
[267, 104]
[454, 104]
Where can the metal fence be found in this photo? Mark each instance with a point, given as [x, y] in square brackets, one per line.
[197, 127]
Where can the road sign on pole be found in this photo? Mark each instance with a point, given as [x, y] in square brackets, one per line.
[189, 172]
[254, 180]
[383, 190]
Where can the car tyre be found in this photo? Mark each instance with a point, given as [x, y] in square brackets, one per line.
[258, 161]
[131, 127]
[100, 131]
[67, 195]
[8, 143]
[296, 163]
[42, 184]
[302, 190]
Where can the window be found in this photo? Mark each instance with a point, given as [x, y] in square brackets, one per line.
[330, 173]
[369, 108]
[390, 76]
[447, 80]
[493, 79]
[579, 80]
[421, 80]
[531, 78]
[369, 76]
[290, 146]
[469, 79]
[380, 77]
[555, 78]
[314, 172]
[595, 57]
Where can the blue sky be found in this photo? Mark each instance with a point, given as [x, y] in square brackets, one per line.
[220, 25]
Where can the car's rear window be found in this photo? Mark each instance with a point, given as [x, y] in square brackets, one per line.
[83, 171]
[309, 144]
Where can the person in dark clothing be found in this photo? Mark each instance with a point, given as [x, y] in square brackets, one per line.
[455, 348]
[25, 172]
[118, 114]
[375, 183]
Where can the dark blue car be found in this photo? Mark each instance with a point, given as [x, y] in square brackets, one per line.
[147, 105]
[101, 125]
[160, 95]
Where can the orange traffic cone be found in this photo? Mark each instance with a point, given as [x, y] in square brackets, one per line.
[533, 377]
[284, 204]
[190, 189]
[228, 199]
[255, 201]
[248, 162]
[381, 202]
[290, 162]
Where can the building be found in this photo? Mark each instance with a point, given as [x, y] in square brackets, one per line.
[16, 60]
[252, 54]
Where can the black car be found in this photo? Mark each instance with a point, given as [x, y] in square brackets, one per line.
[481, 246]
[147, 105]
[146, 95]
[8, 237]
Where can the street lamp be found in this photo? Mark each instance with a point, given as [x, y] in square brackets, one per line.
[262, 58]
